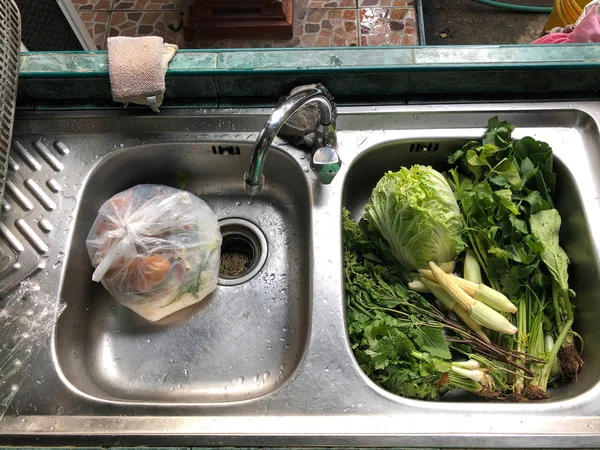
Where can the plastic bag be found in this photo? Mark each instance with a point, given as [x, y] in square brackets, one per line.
[156, 249]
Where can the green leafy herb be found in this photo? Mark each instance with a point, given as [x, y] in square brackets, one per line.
[504, 188]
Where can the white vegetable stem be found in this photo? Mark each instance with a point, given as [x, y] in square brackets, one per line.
[476, 375]
[419, 286]
[471, 364]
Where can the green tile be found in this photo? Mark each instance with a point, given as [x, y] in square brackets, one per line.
[507, 54]
[71, 63]
[191, 60]
[315, 58]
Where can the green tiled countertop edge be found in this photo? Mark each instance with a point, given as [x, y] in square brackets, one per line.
[356, 59]
[229, 78]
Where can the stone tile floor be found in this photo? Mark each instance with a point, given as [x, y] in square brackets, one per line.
[317, 23]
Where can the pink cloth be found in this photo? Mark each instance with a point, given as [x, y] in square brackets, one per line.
[587, 29]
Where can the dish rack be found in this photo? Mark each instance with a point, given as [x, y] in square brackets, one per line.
[10, 39]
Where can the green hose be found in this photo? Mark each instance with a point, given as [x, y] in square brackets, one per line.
[516, 8]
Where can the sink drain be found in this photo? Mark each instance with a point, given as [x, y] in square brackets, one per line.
[243, 251]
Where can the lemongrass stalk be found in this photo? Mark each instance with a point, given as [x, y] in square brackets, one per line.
[522, 341]
[548, 346]
[471, 268]
[541, 378]
[449, 303]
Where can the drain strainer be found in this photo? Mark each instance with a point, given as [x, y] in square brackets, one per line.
[243, 251]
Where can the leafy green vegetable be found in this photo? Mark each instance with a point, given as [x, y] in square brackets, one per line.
[504, 188]
[399, 337]
[417, 215]
[545, 226]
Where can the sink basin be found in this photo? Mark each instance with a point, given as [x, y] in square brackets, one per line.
[268, 360]
[572, 152]
[240, 342]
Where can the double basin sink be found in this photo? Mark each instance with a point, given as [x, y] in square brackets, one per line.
[265, 359]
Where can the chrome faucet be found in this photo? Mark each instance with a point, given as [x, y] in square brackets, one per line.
[325, 161]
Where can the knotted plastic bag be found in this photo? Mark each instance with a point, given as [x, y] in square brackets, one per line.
[156, 249]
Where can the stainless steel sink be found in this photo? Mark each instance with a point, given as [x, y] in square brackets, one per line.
[572, 166]
[108, 377]
[241, 342]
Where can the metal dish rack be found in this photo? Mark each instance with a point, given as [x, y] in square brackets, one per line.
[10, 39]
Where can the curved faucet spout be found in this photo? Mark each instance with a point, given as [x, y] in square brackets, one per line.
[254, 178]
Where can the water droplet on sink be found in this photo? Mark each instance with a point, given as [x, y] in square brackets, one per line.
[302, 157]
[148, 340]
[305, 169]
[266, 375]
[251, 202]
[238, 203]
[255, 379]
[60, 410]
[241, 380]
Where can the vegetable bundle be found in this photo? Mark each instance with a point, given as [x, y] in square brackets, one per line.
[505, 333]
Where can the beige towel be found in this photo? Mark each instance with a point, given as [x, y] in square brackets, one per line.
[137, 68]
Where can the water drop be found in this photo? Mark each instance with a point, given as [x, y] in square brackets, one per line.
[238, 203]
[60, 410]
[305, 169]
[302, 157]
[241, 380]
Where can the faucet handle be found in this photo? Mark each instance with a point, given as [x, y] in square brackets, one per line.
[325, 163]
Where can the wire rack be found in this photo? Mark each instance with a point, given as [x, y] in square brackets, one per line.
[10, 39]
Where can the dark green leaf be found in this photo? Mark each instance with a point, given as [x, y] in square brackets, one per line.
[432, 340]
[545, 227]
[504, 198]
